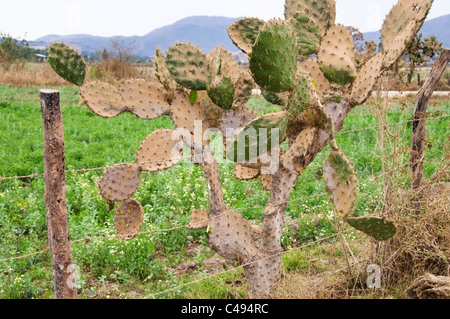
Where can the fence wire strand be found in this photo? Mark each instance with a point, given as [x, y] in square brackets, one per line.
[85, 170]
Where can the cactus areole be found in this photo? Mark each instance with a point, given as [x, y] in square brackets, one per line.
[307, 65]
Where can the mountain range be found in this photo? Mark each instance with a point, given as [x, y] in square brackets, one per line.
[205, 31]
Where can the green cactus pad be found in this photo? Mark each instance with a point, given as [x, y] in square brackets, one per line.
[307, 33]
[300, 97]
[119, 182]
[221, 92]
[337, 55]
[128, 219]
[377, 228]
[189, 66]
[338, 76]
[244, 32]
[322, 11]
[341, 182]
[274, 57]
[255, 139]
[67, 63]
[273, 98]
[193, 97]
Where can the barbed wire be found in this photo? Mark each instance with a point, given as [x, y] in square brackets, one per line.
[85, 170]
[87, 239]
[239, 267]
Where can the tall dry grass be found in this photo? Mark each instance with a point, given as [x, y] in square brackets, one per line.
[41, 74]
[32, 74]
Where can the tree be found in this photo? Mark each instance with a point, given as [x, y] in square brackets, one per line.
[420, 50]
[122, 51]
[12, 51]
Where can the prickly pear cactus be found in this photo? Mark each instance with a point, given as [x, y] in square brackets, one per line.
[67, 63]
[307, 65]
[378, 228]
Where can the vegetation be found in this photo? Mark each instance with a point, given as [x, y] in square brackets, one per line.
[149, 264]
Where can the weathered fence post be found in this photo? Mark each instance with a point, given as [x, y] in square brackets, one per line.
[55, 196]
[419, 120]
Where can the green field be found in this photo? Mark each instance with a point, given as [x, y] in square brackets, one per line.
[148, 264]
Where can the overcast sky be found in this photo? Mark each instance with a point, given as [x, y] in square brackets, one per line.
[32, 19]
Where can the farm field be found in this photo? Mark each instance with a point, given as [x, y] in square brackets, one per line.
[167, 257]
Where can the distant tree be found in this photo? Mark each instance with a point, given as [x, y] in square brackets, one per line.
[420, 50]
[124, 52]
[13, 51]
[105, 55]
[364, 49]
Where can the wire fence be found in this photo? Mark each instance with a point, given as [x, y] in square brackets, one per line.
[86, 170]
[211, 276]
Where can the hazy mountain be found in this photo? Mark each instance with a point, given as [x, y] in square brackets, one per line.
[206, 32]
[439, 27]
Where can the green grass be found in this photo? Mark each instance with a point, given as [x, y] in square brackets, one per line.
[168, 197]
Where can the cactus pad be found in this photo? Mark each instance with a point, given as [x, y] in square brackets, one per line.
[244, 89]
[159, 151]
[145, 99]
[222, 62]
[244, 32]
[294, 158]
[400, 17]
[199, 219]
[233, 121]
[255, 139]
[119, 182]
[164, 76]
[266, 182]
[341, 182]
[184, 114]
[367, 77]
[323, 11]
[336, 56]
[67, 63]
[274, 57]
[307, 33]
[320, 82]
[300, 97]
[280, 99]
[103, 99]
[128, 219]
[400, 44]
[378, 228]
[189, 66]
[245, 173]
[221, 92]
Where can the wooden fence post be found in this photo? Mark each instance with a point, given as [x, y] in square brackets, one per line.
[419, 120]
[55, 196]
